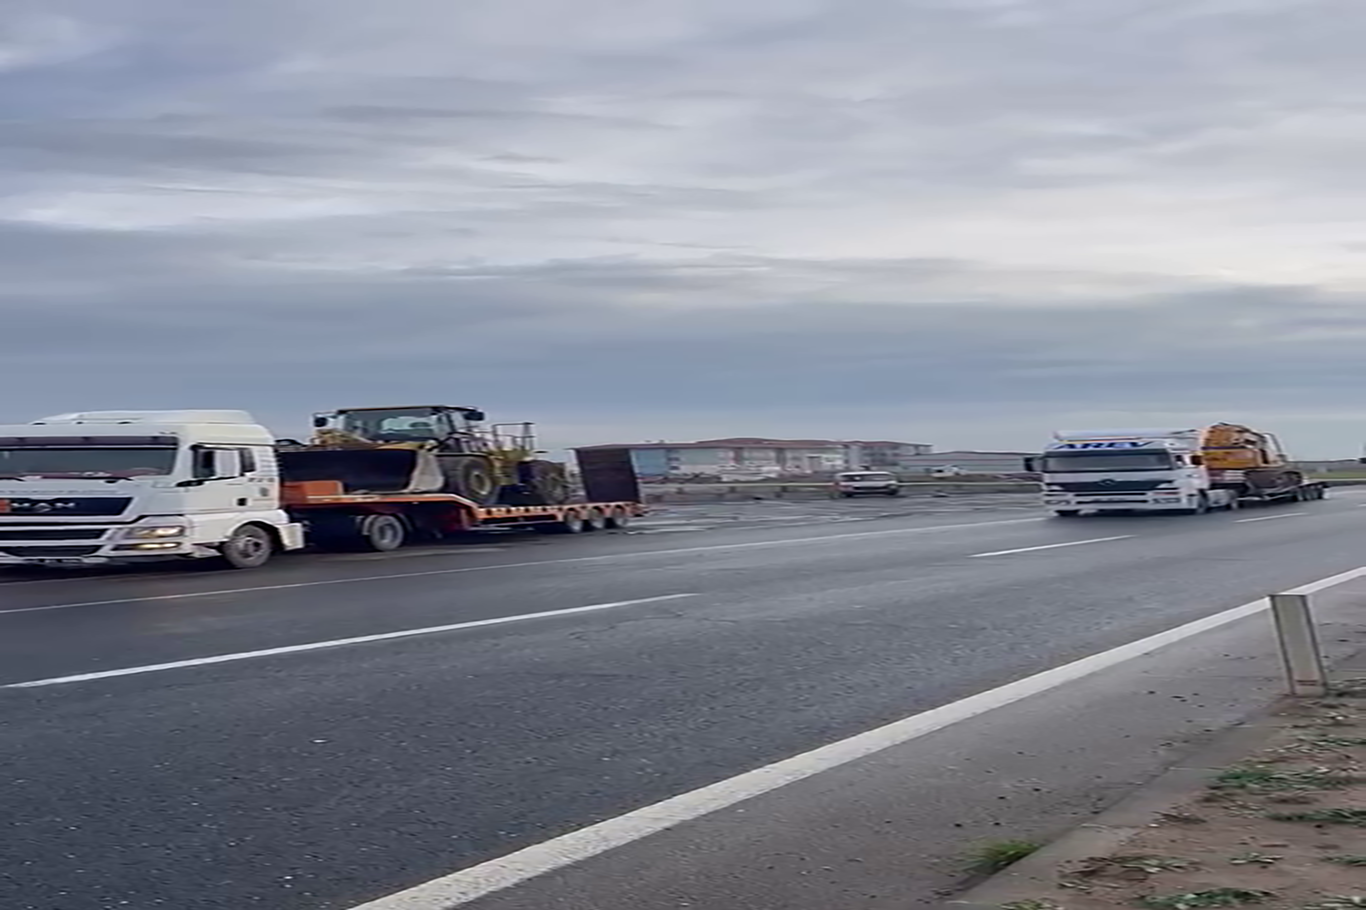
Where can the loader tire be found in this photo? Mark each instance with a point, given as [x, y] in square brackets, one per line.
[471, 476]
[548, 483]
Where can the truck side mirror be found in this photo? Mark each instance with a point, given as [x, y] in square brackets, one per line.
[1031, 464]
[319, 422]
[476, 416]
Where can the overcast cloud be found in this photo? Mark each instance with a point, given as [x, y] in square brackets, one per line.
[963, 222]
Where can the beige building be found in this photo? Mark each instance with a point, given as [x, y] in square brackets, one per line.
[758, 458]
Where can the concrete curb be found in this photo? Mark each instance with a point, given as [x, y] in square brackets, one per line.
[1035, 877]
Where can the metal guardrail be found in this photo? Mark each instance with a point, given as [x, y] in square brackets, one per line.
[1305, 672]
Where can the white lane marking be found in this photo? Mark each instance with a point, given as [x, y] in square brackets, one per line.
[1050, 546]
[409, 554]
[337, 643]
[1243, 521]
[522, 565]
[468, 885]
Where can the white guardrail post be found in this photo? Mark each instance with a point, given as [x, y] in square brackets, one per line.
[1299, 640]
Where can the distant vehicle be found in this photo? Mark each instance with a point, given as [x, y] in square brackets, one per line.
[947, 470]
[1184, 471]
[866, 483]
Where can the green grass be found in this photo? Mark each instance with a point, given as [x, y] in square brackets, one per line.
[1346, 860]
[1032, 904]
[1354, 817]
[992, 857]
[1214, 897]
[1255, 859]
[1265, 780]
[1347, 902]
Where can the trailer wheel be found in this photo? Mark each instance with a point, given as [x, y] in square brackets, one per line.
[572, 523]
[1068, 513]
[619, 519]
[594, 520]
[381, 533]
[249, 547]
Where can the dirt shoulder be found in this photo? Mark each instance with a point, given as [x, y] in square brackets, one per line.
[1279, 823]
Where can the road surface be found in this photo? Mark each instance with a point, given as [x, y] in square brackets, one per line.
[430, 710]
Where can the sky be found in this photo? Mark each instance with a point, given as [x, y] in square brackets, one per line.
[960, 222]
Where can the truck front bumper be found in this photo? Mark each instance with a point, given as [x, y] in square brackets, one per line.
[90, 545]
[1136, 503]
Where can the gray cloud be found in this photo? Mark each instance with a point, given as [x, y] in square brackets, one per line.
[963, 221]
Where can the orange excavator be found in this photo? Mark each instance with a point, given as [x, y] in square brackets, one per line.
[1250, 461]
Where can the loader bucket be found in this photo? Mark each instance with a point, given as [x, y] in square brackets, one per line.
[365, 470]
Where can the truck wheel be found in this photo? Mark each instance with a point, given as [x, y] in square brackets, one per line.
[594, 520]
[893, 492]
[382, 533]
[249, 547]
[572, 523]
[1068, 513]
[619, 519]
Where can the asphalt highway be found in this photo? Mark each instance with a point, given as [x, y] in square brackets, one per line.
[420, 712]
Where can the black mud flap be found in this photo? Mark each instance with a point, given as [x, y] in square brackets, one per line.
[609, 475]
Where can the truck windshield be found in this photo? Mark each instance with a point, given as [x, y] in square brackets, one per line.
[1088, 462]
[150, 461]
[414, 423]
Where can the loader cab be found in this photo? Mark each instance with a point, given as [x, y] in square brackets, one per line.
[453, 428]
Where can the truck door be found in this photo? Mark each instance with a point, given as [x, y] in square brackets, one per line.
[222, 484]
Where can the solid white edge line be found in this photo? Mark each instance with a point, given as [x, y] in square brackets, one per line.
[467, 885]
[334, 643]
[518, 565]
[1050, 546]
[1243, 521]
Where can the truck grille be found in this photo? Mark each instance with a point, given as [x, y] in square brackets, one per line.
[54, 534]
[66, 505]
[1109, 486]
[41, 552]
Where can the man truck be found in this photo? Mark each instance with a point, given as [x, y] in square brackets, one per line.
[1184, 471]
[119, 487]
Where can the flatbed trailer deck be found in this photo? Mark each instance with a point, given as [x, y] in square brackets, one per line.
[336, 519]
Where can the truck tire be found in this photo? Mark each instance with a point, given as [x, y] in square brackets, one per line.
[249, 547]
[1201, 508]
[572, 523]
[1068, 513]
[471, 476]
[381, 533]
[595, 520]
[619, 519]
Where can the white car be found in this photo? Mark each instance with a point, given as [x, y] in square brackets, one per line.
[867, 483]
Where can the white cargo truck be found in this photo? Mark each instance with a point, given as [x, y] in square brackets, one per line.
[1183, 471]
[120, 487]
[130, 486]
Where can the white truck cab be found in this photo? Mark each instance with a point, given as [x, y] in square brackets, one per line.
[1157, 470]
[105, 487]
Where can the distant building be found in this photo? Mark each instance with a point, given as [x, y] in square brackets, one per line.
[967, 462]
[757, 458]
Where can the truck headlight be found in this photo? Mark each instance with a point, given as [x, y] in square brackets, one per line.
[155, 532]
